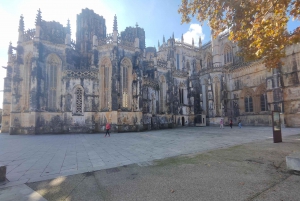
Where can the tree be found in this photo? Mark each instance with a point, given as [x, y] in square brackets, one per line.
[258, 26]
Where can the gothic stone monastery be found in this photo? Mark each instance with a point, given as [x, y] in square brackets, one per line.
[56, 85]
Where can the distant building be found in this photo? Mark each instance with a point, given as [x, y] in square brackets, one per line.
[56, 85]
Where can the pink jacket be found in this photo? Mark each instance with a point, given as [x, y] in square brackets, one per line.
[107, 126]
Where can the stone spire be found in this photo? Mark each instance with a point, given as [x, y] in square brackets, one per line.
[38, 19]
[21, 24]
[182, 39]
[38, 22]
[115, 28]
[68, 27]
[136, 40]
[68, 35]
[136, 30]
[10, 49]
[115, 31]
[10, 52]
[173, 35]
[193, 41]
[200, 42]
[158, 44]
[21, 30]
[164, 39]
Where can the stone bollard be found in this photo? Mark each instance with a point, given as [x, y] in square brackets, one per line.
[2, 173]
[293, 162]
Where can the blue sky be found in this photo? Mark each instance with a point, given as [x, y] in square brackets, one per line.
[158, 18]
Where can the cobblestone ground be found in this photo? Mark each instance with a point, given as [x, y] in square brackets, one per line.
[32, 158]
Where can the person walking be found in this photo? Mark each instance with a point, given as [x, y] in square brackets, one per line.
[240, 124]
[230, 124]
[107, 127]
[221, 124]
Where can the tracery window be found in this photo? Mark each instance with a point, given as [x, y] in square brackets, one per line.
[263, 102]
[125, 86]
[106, 86]
[209, 62]
[125, 99]
[178, 63]
[52, 84]
[26, 83]
[248, 104]
[228, 57]
[181, 96]
[79, 101]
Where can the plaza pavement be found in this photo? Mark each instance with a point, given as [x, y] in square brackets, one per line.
[31, 158]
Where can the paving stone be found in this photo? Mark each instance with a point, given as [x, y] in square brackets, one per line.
[50, 153]
[14, 176]
[21, 193]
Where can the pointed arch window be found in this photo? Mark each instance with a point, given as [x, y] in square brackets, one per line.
[188, 67]
[52, 84]
[162, 94]
[248, 104]
[228, 57]
[26, 83]
[181, 95]
[209, 61]
[105, 87]
[178, 63]
[263, 102]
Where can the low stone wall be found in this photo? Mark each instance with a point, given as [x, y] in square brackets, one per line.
[292, 120]
[249, 120]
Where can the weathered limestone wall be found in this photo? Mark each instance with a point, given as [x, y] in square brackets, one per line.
[120, 121]
[291, 90]
[256, 120]
[6, 102]
[129, 122]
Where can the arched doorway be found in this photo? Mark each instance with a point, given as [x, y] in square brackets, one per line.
[182, 121]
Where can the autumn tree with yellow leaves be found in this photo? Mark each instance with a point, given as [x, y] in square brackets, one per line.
[258, 26]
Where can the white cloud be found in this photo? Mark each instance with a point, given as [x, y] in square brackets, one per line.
[195, 31]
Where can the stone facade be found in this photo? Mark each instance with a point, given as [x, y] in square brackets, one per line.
[56, 85]
[0, 118]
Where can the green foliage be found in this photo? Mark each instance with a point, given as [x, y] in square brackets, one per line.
[258, 26]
